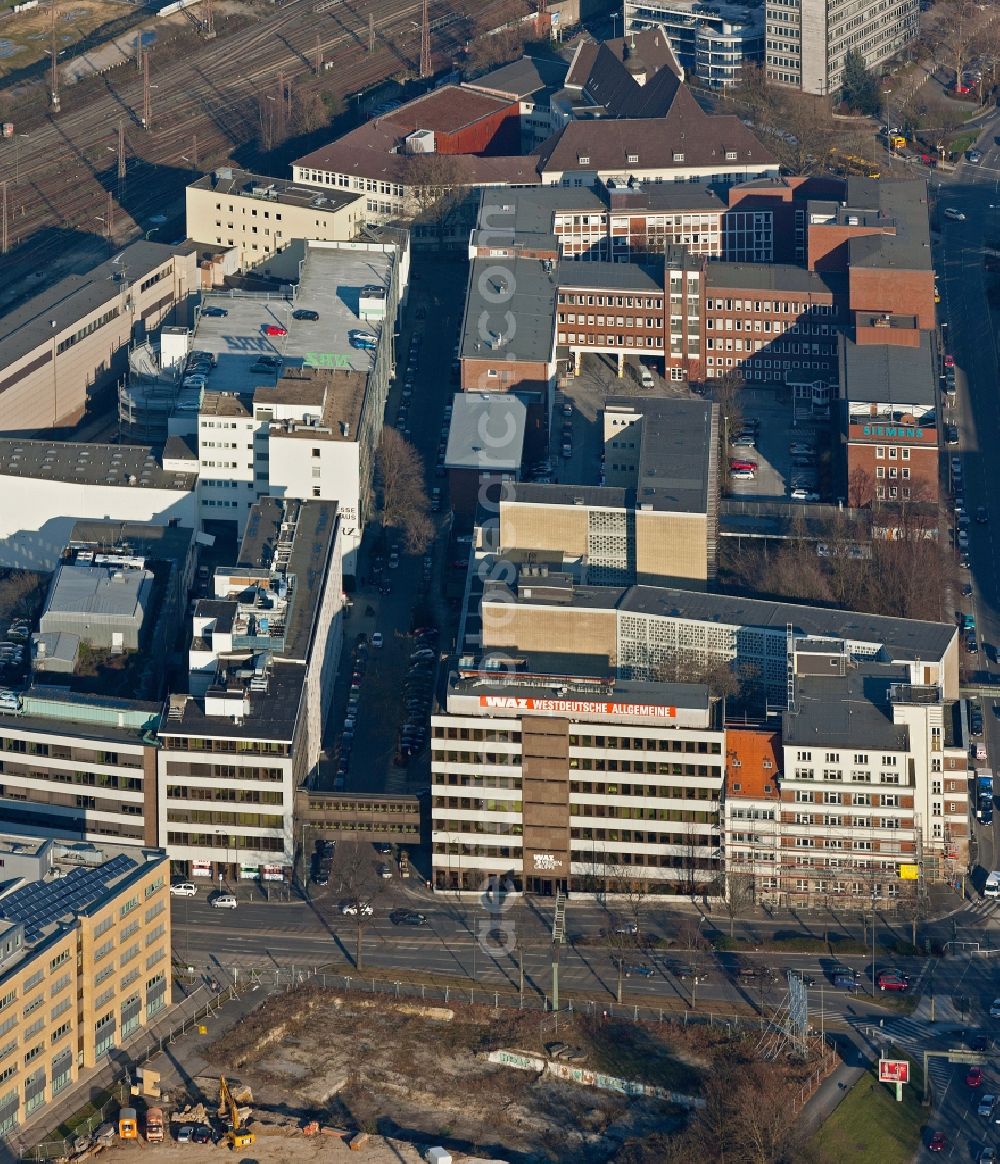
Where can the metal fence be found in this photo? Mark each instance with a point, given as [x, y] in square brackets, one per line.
[147, 1047]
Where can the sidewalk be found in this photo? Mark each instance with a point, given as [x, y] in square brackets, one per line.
[828, 1096]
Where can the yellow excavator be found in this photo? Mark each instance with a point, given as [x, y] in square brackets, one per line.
[237, 1136]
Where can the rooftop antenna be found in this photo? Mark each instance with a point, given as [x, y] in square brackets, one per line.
[426, 68]
[54, 82]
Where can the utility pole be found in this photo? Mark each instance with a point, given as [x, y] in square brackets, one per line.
[121, 160]
[147, 93]
[194, 151]
[111, 221]
[209, 19]
[318, 58]
[3, 240]
[426, 68]
[281, 106]
[54, 80]
[371, 32]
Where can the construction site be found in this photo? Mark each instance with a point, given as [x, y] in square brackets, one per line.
[315, 1072]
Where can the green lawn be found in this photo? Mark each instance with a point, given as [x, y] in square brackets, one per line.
[870, 1127]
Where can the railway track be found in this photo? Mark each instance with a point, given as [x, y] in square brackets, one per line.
[67, 164]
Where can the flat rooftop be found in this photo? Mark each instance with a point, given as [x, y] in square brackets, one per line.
[888, 373]
[330, 284]
[773, 277]
[616, 276]
[675, 460]
[93, 717]
[315, 525]
[134, 466]
[338, 393]
[54, 310]
[97, 590]
[693, 696]
[907, 638]
[849, 711]
[486, 432]
[232, 181]
[163, 542]
[527, 289]
[900, 204]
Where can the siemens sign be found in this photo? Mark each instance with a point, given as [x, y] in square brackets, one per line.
[892, 430]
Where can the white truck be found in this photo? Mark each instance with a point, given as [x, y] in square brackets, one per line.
[992, 886]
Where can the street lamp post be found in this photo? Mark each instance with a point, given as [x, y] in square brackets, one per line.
[17, 157]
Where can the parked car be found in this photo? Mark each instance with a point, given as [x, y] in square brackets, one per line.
[982, 517]
[354, 909]
[215, 312]
[377, 639]
[955, 216]
[184, 1134]
[307, 316]
[183, 889]
[742, 474]
[986, 1105]
[801, 494]
[274, 329]
[224, 901]
[938, 1142]
[975, 1077]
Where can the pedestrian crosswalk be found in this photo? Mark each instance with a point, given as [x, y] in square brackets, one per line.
[901, 1030]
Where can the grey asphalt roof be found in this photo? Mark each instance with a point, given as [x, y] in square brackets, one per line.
[523, 77]
[905, 638]
[675, 458]
[29, 325]
[486, 432]
[91, 464]
[165, 542]
[594, 496]
[888, 373]
[617, 276]
[505, 213]
[900, 202]
[849, 711]
[521, 287]
[772, 277]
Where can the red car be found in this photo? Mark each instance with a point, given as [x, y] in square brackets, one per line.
[891, 982]
[275, 329]
[749, 466]
[937, 1142]
[975, 1077]
[949, 361]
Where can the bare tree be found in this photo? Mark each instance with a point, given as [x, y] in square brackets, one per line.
[356, 878]
[727, 392]
[741, 894]
[436, 183]
[309, 111]
[404, 498]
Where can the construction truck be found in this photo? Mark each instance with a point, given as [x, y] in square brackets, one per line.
[238, 1136]
[128, 1124]
[154, 1125]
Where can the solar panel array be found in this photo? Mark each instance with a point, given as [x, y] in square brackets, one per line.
[40, 904]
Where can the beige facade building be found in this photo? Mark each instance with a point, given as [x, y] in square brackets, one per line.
[576, 783]
[258, 216]
[73, 990]
[64, 345]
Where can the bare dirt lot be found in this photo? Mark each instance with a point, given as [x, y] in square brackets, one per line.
[408, 1077]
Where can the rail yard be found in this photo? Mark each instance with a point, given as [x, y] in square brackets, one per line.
[61, 170]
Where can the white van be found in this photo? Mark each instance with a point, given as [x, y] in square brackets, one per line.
[646, 377]
[992, 886]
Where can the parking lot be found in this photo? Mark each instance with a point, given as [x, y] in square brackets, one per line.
[787, 454]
